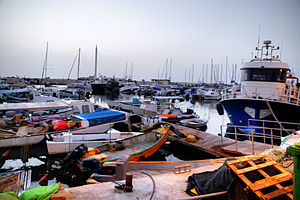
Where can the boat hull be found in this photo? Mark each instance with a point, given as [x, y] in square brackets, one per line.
[244, 112]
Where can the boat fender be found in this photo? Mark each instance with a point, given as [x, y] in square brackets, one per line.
[6, 154]
[220, 109]
[44, 180]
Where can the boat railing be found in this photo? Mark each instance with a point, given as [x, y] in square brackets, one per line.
[267, 123]
[265, 135]
[280, 94]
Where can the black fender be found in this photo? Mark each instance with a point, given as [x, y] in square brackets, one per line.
[220, 109]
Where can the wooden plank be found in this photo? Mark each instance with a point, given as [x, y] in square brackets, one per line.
[279, 192]
[263, 183]
[246, 158]
[255, 167]
[245, 179]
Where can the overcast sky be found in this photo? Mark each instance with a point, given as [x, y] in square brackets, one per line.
[143, 32]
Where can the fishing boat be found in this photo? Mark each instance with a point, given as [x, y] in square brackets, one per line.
[129, 88]
[135, 148]
[34, 131]
[211, 94]
[269, 95]
[194, 122]
[125, 105]
[66, 142]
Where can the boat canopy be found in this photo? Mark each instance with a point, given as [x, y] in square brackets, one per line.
[265, 65]
[14, 91]
[32, 106]
[101, 117]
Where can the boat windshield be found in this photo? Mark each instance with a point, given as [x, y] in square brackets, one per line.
[270, 75]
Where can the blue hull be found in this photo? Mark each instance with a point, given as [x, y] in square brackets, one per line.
[240, 111]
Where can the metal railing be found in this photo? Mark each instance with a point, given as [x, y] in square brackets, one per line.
[281, 124]
[250, 132]
[285, 95]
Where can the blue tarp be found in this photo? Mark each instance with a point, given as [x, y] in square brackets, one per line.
[14, 91]
[102, 117]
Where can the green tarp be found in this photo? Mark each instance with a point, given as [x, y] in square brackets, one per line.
[39, 193]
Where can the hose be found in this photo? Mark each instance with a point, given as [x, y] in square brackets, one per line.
[152, 182]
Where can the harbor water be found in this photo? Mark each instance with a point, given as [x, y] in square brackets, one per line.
[169, 152]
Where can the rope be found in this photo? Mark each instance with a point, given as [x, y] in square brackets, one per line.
[276, 117]
[153, 183]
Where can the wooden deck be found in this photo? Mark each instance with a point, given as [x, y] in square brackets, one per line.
[212, 144]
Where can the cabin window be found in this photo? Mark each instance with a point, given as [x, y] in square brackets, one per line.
[85, 109]
[270, 75]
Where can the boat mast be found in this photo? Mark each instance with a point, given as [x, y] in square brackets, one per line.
[166, 73]
[226, 68]
[131, 73]
[72, 66]
[170, 69]
[211, 71]
[95, 75]
[78, 64]
[44, 72]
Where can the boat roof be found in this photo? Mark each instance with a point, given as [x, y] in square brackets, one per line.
[266, 65]
[35, 105]
[168, 97]
[102, 117]
[14, 91]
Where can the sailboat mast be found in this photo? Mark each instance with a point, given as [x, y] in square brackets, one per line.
[96, 53]
[170, 69]
[78, 64]
[131, 73]
[193, 73]
[45, 64]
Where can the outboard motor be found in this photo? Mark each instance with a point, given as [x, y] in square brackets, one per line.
[90, 166]
[76, 154]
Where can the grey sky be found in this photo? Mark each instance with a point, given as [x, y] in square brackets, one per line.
[142, 32]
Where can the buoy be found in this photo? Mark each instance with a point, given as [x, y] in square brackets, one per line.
[44, 180]
[191, 138]
[6, 154]
[220, 109]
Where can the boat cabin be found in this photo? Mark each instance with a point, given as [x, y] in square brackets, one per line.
[265, 75]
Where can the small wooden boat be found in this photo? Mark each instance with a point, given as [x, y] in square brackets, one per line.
[136, 147]
[194, 122]
[66, 142]
[34, 131]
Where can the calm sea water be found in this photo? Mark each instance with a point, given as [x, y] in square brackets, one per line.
[171, 152]
[205, 109]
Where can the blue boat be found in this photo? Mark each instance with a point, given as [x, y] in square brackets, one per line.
[269, 96]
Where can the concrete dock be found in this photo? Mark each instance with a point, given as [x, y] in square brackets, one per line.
[168, 185]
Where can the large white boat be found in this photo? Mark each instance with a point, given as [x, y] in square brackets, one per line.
[269, 94]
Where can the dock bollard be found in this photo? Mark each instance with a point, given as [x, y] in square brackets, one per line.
[128, 183]
[295, 151]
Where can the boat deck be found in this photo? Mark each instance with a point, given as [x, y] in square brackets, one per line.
[212, 144]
